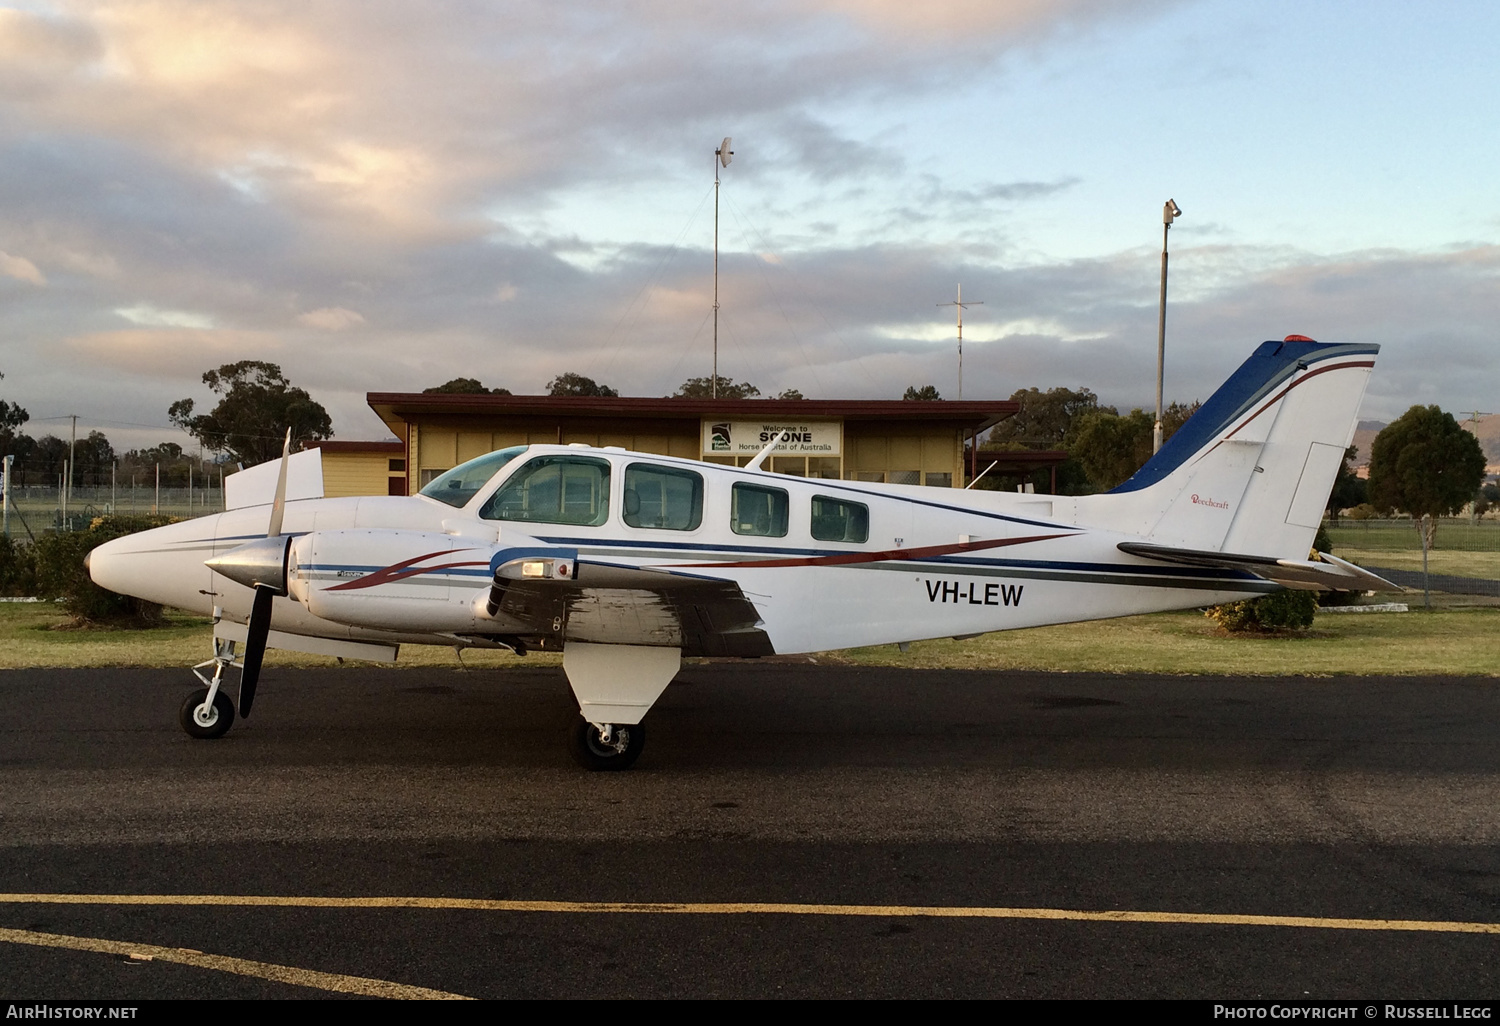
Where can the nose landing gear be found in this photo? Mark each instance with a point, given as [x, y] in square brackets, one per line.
[204, 717]
[208, 712]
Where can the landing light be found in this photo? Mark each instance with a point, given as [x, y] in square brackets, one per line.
[534, 568]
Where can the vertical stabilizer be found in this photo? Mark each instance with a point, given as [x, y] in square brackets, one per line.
[1251, 471]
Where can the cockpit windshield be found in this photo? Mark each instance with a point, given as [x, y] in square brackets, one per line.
[457, 486]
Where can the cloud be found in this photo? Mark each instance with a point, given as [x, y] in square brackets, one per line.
[20, 269]
[330, 318]
[151, 316]
[166, 352]
[379, 198]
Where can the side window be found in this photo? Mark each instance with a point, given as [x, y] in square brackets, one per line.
[663, 497]
[758, 511]
[836, 520]
[554, 490]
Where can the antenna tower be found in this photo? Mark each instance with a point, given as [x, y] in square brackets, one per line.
[960, 304]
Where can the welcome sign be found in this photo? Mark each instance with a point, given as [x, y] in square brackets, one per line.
[748, 437]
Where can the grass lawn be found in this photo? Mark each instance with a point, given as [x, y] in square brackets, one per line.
[1446, 641]
[1454, 641]
[29, 637]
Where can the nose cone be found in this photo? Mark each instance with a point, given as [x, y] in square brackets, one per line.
[107, 566]
[163, 565]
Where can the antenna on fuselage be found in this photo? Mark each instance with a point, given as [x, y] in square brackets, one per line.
[776, 440]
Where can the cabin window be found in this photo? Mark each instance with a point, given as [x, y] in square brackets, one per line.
[759, 512]
[839, 521]
[554, 490]
[457, 486]
[664, 498]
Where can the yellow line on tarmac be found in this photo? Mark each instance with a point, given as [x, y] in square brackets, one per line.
[239, 966]
[752, 908]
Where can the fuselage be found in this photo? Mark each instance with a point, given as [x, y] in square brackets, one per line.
[827, 564]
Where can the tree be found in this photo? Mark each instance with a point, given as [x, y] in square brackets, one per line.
[789, 393]
[11, 419]
[927, 393]
[93, 458]
[257, 407]
[577, 384]
[1045, 418]
[1349, 489]
[1425, 464]
[464, 386]
[141, 465]
[702, 388]
[11, 415]
[1112, 447]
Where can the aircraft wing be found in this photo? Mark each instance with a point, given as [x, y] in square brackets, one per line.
[607, 604]
[1328, 573]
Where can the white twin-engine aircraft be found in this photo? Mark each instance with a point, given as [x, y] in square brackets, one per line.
[628, 561]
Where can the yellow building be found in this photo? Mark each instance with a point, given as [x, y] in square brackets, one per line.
[898, 442]
[363, 468]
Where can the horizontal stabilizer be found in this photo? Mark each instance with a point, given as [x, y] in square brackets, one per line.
[1328, 573]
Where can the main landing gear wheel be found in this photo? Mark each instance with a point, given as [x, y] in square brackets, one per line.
[203, 721]
[592, 752]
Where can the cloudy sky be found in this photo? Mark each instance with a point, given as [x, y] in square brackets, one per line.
[383, 195]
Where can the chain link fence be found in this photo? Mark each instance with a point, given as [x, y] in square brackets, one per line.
[1464, 558]
[34, 509]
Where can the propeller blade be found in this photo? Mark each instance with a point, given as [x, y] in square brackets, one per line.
[278, 507]
[255, 646]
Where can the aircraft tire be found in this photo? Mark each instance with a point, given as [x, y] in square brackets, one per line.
[222, 720]
[592, 754]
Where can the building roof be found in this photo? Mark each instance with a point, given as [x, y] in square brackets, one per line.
[1021, 460]
[397, 408]
[328, 445]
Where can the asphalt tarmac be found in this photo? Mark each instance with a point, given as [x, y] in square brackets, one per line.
[791, 830]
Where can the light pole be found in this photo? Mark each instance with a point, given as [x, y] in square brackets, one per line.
[1169, 211]
[721, 159]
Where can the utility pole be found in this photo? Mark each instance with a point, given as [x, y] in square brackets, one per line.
[5, 495]
[960, 304]
[1474, 416]
[722, 156]
[72, 459]
[1169, 211]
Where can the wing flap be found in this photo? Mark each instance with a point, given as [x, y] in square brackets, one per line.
[610, 604]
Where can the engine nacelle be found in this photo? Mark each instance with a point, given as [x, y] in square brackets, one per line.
[391, 579]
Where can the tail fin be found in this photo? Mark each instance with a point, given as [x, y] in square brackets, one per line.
[1251, 470]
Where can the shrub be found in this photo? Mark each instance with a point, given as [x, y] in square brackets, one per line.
[60, 573]
[1286, 610]
[17, 568]
[1321, 541]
